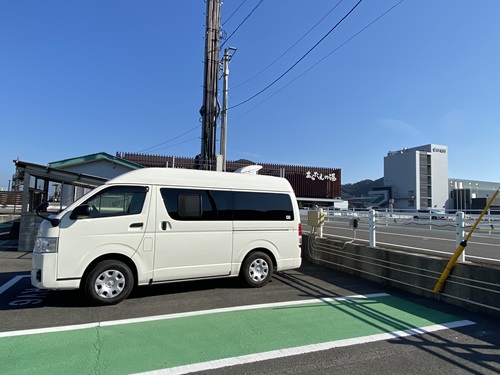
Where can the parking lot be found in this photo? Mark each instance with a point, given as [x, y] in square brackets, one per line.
[300, 323]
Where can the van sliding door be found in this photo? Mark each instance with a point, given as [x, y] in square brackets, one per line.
[193, 235]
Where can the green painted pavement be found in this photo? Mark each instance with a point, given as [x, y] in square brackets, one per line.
[148, 346]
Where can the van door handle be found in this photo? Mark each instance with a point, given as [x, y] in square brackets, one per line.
[136, 225]
[166, 225]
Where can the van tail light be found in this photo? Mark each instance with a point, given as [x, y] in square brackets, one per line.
[300, 234]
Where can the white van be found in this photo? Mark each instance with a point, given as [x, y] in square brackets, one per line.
[156, 225]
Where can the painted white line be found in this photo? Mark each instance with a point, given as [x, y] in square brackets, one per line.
[425, 250]
[186, 314]
[211, 365]
[481, 258]
[14, 280]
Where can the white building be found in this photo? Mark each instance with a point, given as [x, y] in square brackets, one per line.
[418, 177]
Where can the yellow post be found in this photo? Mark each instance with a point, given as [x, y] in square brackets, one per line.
[461, 247]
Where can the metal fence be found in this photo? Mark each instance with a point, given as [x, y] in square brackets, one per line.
[10, 202]
[373, 220]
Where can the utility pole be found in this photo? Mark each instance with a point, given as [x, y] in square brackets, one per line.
[228, 54]
[209, 109]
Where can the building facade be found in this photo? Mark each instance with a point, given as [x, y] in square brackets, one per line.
[418, 177]
[471, 196]
[312, 185]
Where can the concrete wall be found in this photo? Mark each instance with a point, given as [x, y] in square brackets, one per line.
[474, 287]
[27, 234]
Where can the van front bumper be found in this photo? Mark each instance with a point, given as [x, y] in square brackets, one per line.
[44, 273]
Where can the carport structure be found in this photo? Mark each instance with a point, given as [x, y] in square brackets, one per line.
[40, 183]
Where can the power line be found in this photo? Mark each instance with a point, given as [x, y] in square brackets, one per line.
[170, 140]
[290, 48]
[282, 88]
[299, 60]
[319, 61]
[176, 144]
[232, 14]
[242, 22]
[338, 23]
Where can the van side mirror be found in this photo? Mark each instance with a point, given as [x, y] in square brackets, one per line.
[80, 212]
[43, 208]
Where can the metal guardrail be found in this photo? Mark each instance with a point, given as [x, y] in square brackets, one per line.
[433, 221]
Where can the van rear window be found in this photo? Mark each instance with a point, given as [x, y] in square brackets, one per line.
[193, 204]
[262, 206]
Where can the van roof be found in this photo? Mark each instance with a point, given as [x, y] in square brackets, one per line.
[202, 179]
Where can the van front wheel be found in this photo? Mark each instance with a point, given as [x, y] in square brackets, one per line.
[257, 269]
[109, 282]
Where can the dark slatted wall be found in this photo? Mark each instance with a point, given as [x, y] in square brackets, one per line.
[307, 182]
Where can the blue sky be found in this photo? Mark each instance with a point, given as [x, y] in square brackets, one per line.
[79, 77]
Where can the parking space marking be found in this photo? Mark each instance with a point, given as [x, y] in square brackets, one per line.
[12, 281]
[179, 343]
[213, 365]
[184, 315]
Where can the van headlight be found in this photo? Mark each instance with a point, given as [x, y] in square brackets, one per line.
[45, 245]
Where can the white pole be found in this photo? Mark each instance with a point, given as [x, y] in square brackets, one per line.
[371, 215]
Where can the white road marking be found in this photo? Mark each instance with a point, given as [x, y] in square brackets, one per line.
[183, 315]
[211, 365]
[14, 280]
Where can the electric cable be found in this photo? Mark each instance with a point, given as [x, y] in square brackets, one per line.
[258, 4]
[242, 22]
[232, 14]
[176, 144]
[282, 88]
[169, 140]
[290, 48]
[299, 60]
[319, 61]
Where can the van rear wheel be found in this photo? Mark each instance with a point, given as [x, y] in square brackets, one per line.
[257, 269]
[109, 282]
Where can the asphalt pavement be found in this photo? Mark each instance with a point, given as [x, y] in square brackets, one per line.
[467, 349]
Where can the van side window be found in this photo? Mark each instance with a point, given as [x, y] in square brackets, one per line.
[189, 204]
[192, 204]
[262, 206]
[224, 203]
[117, 201]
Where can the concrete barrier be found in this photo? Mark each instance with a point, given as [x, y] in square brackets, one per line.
[9, 224]
[472, 286]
